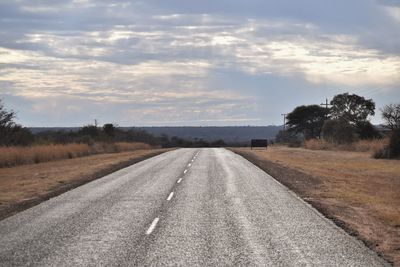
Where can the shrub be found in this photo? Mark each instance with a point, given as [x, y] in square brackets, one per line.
[365, 130]
[392, 150]
[338, 132]
[289, 138]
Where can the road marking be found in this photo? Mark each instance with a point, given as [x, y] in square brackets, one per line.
[152, 226]
[180, 180]
[185, 172]
[190, 164]
[170, 196]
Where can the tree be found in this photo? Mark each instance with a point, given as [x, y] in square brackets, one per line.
[10, 132]
[307, 120]
[352, 108]
[338, 132]
[89, 130]
[391, 115]
[109, 129]
[365, 130]
[287, 137]
[6, 118]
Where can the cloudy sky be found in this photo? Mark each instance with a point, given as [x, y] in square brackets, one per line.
[187, 62]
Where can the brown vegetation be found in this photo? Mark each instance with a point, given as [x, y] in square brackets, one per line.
[359, 193]
[359, 146]
[22, 187]
[13, 156]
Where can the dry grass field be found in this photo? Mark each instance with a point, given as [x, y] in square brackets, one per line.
[24, 186]
[14, 156]
[358, 192]
[360, 146]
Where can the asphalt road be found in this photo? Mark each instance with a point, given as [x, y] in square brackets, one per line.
[188, 207]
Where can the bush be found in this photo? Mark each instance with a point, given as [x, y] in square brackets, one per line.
[338, 132]
[391, 151]
[394, 144]
[289, 138]
[365, 130]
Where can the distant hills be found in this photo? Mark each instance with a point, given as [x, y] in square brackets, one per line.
[230, 134]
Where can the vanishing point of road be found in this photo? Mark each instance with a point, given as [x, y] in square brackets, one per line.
[187, 207]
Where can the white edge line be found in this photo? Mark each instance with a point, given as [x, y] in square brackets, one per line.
[152, 226]
[180, 180]
[170, 196]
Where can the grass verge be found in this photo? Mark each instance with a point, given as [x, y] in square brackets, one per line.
[360, 146]
[25, 186]
[14, 156]
[358, 193]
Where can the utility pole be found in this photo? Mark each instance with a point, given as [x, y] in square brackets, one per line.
[284, 121]
[326, 104]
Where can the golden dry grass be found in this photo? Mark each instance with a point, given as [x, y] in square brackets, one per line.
[354, 188]
[13, 156]
[360, 146]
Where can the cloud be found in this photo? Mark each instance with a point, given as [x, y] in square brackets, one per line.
[152, 59]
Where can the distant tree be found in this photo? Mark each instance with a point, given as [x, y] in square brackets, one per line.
[6, 118]
[287, 137]
[307, 120]
[391, 116]
[353, 109]
[10, 132]
[89, 130]
[109, 129]
[218, 143]
[338, 131]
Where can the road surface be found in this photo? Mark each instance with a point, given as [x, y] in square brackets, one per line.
[188, 207]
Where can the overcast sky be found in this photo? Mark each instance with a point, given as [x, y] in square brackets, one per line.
[187, 62]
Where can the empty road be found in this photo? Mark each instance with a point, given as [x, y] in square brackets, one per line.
[188, 207]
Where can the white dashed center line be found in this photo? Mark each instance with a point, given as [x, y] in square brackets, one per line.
[180, 180]
[152, 226]
[190, 164]
[170, 196]
[185, 172]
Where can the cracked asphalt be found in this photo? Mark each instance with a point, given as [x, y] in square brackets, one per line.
[187, 207]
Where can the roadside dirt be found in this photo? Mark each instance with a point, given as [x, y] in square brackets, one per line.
[28, 185]
[360, 194]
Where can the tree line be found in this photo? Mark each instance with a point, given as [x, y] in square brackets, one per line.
[344, 121]
[13, 134]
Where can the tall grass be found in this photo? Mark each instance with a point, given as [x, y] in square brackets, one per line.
[360, 146]
[13, 156]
